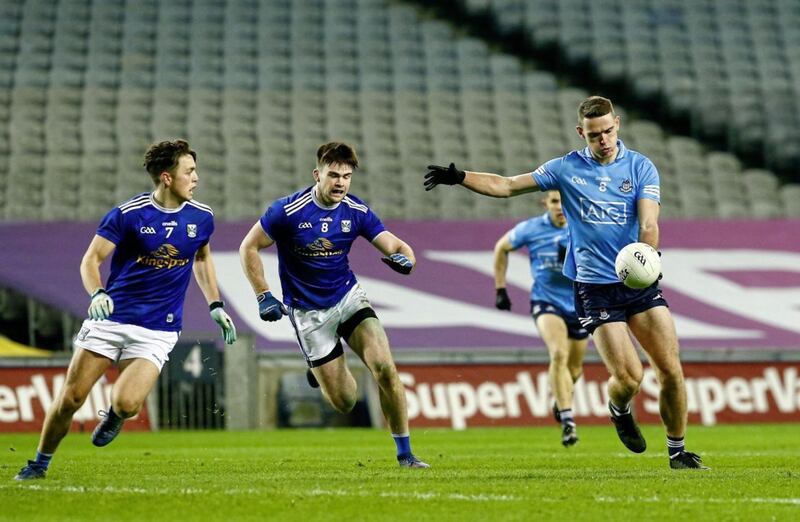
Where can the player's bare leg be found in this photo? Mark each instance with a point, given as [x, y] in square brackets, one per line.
[553, 331]
[620, 357]
[137, 377]
[84, 370]
[622, 361]
[370, 343]
[577, 352]
[136, 380]
[337, 384]
[655, 331]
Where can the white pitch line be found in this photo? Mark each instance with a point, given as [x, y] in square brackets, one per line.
[411, 495]
[415, 495]
[687, 500]
[253, 491]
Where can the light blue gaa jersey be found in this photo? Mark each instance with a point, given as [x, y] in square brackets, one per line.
[599, 202]
[543, 239]
[152, 263]
[313, 242]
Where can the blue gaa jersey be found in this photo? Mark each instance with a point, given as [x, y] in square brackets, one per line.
[313, 242]
[599, 202]
[543, 239]
[152, 263]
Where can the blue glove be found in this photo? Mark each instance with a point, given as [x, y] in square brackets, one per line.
[224, 321]
[399, 263]
[102, 305]
[269, 308]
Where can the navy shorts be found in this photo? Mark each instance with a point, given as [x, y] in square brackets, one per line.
[574, 328]
[613, 303]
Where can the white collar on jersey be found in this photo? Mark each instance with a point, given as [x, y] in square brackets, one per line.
[319, 203]
[164, 209]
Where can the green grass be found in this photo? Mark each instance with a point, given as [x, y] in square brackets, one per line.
[349, 474]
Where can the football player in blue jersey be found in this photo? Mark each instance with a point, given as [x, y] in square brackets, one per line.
[313, 230]
[611, 197]
[552, 302]
[158, 240]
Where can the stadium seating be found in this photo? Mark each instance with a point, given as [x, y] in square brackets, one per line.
[731, 66]
[257, 85]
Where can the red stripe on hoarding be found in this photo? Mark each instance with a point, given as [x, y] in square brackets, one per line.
[26, 394]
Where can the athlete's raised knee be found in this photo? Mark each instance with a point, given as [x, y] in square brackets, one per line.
[629, 382]
[126, 408]
[343, 403]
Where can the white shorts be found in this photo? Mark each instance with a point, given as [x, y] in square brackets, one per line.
[119, 341]
[318, 331]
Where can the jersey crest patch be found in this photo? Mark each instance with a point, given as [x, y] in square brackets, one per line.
[191, 230]
[626, 186]
[346, 225]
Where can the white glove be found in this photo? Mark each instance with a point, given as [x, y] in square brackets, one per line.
[224, 321]
[101, 306]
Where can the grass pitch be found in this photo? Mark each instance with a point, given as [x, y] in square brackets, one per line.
[350, 474]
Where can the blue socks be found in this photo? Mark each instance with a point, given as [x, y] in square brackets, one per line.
[675, 446]
[403, 443]
[43, 459]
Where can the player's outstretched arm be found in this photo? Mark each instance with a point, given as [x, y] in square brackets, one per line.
[501, 250]
[269, 308]
[397, 254]
[101, 305]
[205, 274]
[484, 183]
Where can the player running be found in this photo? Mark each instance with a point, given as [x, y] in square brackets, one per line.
[552, 302]
[158, 240]
[611, 198]
[314, 230]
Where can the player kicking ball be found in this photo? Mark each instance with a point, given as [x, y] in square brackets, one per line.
[313, 230]
[158, 240]
[611, 197]
[552, 302]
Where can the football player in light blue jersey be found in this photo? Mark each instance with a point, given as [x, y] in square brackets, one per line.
[313, 230]
[611, 198]
[552, 302]
[158, 240]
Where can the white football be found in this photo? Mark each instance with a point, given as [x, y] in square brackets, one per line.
[638, 265]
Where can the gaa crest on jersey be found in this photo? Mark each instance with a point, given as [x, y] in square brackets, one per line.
[604, 314]
[191, 230]
[346, 225]
[626, 186]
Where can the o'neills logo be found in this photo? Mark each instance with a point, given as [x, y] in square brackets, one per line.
[516, 394]
[165, 256]
[320, 247]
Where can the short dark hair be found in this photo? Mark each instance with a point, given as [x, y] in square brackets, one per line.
[594, 107]
[336, 152]
[165, 155]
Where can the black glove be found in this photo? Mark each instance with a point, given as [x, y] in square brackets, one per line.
[438, 175]
[501, 301]
[562, 253]
[660, 274]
